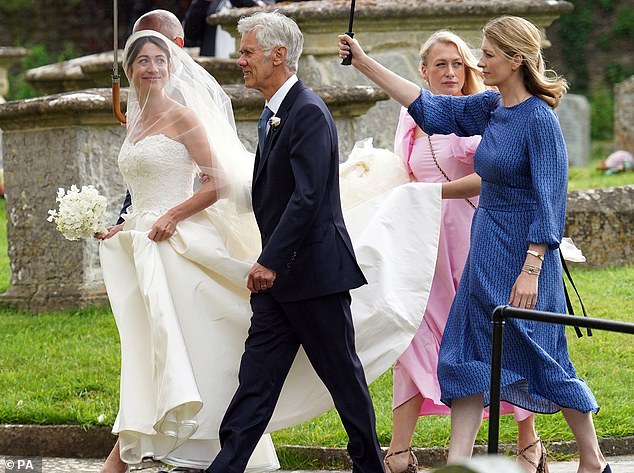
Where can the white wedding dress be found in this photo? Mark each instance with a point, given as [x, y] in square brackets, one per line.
[182, 307]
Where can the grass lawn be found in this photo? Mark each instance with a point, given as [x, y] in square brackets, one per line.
[63, 368]
[588, 177]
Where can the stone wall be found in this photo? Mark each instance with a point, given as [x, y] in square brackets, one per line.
[600, 222]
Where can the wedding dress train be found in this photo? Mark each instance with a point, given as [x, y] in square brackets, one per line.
[182, 307]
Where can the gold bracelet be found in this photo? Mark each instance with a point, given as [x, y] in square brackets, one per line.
[532, 270]
[535, 254]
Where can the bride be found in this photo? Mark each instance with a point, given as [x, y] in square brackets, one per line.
[176, 272]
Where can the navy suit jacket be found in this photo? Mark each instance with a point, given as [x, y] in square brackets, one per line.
[297, 204]
[124, 207]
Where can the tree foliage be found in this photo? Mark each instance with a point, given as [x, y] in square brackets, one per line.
[8, 6]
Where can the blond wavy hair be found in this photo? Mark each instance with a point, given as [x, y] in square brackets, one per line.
[517, 36]
[473, 82]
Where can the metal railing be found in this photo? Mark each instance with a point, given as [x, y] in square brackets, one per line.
[503, 312]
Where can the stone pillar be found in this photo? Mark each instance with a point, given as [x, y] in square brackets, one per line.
[8, 57]
[72, 138]
[624, 115]
[53, 142]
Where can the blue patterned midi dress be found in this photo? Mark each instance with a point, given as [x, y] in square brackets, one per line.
[524, 169]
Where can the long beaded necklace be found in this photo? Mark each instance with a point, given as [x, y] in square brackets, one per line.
[433, 155]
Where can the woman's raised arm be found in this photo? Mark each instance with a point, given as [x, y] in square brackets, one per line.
[398, 88]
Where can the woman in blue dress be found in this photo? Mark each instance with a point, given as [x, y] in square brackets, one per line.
[515, 235]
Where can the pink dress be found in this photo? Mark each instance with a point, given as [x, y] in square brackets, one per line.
[415, 371]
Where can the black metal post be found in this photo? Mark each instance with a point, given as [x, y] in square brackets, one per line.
[562, 319]
[496, 374]
[502, 312]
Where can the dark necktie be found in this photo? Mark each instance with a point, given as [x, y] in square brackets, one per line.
[262, 124]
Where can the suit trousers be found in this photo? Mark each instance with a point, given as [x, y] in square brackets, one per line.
[323, 326]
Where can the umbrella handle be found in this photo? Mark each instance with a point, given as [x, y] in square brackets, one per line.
[116, 97]
[348, 60]
[116, 83]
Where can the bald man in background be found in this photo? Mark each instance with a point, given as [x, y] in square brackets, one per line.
[164, 22]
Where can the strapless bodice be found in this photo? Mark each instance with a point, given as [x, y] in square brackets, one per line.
[158, 171]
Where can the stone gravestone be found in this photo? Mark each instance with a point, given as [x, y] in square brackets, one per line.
[574, 118]
[624, 115]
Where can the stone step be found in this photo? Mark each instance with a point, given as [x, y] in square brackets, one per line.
[620, 464]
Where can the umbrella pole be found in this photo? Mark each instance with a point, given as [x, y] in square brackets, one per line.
[348, 60]
[116, 81]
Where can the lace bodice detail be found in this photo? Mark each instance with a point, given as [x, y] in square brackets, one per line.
[158, 171]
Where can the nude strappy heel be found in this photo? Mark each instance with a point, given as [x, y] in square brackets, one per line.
[542, 465]
[412, 466]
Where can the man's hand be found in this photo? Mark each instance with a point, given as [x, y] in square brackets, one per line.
[110, 232]
[260, 278]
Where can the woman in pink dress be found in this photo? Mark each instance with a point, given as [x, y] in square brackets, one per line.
[449, 68]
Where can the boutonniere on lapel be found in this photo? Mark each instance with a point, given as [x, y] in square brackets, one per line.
[274, 122]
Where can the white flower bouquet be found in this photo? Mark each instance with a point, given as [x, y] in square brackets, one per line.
[81, 213]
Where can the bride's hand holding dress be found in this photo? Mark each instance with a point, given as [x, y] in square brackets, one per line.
[110, 232]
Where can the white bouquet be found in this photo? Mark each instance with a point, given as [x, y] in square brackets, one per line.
[81, 213]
